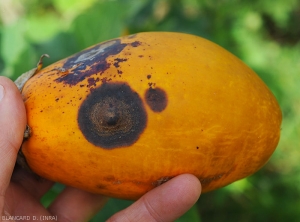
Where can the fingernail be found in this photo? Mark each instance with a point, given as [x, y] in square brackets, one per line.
[1, 92]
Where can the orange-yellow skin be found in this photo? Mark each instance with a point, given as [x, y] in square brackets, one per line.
[221, 122]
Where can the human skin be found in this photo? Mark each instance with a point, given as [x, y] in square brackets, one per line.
[20, 191]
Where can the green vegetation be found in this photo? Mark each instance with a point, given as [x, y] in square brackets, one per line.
[264, 34]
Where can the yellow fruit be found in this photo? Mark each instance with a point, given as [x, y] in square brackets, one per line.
[126, 115]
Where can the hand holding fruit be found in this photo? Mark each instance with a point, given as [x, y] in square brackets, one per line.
[21, 191]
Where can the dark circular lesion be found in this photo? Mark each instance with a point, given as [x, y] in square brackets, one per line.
[112, 116]
[156, 99]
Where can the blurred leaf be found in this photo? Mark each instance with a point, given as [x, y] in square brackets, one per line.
[59, 47]
[192, 215]
[70, 7]
[12, 45]
[27, 60]
[49, 197]
[42, 28]
[101, 22]
[111, 207]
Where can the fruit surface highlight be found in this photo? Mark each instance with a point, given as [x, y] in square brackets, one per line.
[128, 114]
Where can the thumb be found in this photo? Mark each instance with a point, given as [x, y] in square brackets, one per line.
[12, 126]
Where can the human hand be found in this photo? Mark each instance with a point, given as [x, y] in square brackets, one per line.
[20, 191]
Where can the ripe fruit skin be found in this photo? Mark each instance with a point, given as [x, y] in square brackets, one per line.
[126, 115]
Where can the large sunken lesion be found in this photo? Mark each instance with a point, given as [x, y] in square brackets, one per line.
[112, 116]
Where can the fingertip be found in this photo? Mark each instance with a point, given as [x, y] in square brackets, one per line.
[167, 202]
[176, 196]
[192, 183]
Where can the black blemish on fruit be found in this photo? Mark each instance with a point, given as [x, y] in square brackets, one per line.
[117, 61]
[112, 116]
[92, 61]
[135, 44]
[156, 99]
[148, 76]
[92, 81]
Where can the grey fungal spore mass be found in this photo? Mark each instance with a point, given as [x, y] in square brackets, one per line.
[112, 116]
[95, 58]
[93, 61]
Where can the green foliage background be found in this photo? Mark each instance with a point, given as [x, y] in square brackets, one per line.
[265, 34]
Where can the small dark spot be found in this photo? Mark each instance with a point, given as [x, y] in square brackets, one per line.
[56, 99]
[112, 116]
[148, 76]
[136, 44]
[119, 72]
[141, 56]
[197, 147]
[92, 81]
[105, 80]
[101, 186]
[156, 99]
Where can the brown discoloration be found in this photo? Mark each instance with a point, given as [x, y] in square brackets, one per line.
[208, 180]
[112, 116]
[156, 99]
[101, 186]
[162, 180]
